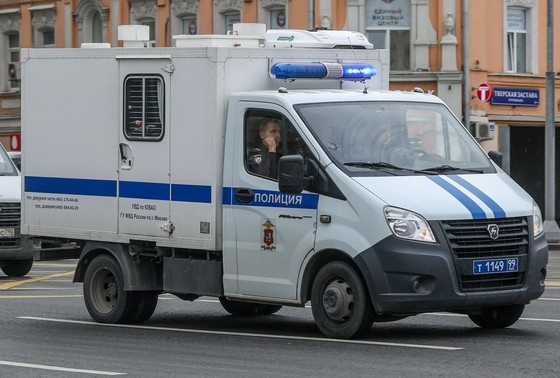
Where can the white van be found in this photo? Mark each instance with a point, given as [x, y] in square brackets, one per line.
[382, 206]
[16, 252]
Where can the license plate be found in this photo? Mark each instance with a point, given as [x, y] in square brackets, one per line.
[7, 232]
[495, 266]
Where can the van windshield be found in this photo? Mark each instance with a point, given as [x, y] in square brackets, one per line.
[7, 167]
[394, 138]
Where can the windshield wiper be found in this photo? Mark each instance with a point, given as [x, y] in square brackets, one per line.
[449, 168]
[367, 164]
[382, 165]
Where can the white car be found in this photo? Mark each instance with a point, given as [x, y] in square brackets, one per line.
[16, 158]
[16, 251]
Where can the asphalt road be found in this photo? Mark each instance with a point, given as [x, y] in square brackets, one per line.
[46, 331]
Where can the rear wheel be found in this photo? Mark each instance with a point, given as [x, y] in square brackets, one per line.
[17, 268]
[340, 303]
[497, 317]
[144, 304]
[239, 308]
[104, 294]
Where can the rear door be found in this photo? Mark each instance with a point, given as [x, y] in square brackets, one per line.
[143, 173]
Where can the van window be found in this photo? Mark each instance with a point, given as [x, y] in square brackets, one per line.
[262, 124]
[144, 108]
[398, 138]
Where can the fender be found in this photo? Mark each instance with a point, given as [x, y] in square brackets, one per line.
[139, 274]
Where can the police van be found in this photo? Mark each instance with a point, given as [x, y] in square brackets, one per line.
[382, 206]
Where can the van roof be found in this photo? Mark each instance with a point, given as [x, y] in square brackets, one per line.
[316, 96]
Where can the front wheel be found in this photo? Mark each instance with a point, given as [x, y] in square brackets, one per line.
[17, 268]
[104, 294]
[340, 303]
[497, 317]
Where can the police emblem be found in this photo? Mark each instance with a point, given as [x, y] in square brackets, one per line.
[258, 158]
[268, 242]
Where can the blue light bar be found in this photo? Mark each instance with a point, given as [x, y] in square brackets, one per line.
[344, 71]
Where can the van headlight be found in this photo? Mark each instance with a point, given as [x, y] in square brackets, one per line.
[537, 220]
[408, 225]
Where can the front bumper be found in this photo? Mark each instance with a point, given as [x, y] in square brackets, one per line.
[22, 249]
[405, 277]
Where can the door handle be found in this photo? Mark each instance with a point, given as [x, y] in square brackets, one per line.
[127, 159]
[244, 195]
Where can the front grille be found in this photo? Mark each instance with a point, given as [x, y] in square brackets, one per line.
[470, 240]
[10, 215]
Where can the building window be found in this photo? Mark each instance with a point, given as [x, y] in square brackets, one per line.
[97, 28]
[144, 107]
[388, 27]
[152, 25]
[43, 20]
[184, 17]
[13, 64]
[145, 13]
[48, 38]
[189, 25]
[231, 18]
[516, 40]
[226, 13]
[278, 18]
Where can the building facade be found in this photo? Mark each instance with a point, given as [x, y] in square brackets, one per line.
[503, 59]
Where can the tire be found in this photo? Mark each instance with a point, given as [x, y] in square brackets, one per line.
[340, 303]
[497, 317]
[17, 268]
[239, 308]
[144, 304]
[104, 295]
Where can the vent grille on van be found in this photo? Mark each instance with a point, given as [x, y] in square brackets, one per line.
[470, 240]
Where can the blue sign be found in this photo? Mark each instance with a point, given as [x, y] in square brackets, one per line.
[515, 96]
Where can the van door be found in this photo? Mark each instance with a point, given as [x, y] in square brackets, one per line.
[272, 232]
[143, 171]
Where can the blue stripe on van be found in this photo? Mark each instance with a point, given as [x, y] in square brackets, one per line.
[59, 185]
[227, 196]
[475, 210]
[269, 198]
[191, 193]
[144, 190]
[496, 209]
[127, 189]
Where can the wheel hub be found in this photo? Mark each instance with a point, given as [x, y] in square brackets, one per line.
[338, 300]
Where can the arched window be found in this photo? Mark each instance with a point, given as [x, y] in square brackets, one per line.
[185, 17]
[274, 13]
[145, 13]
[96, 28]
[227, 13]
[91, 19]
[43, 20]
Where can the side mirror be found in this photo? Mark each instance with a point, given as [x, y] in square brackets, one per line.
[497, 157]
[290, 174]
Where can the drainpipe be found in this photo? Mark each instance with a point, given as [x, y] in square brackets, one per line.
[311, 12]
[466, 67]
